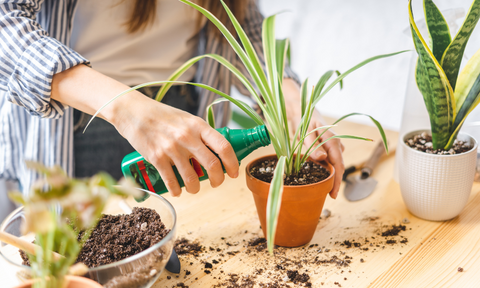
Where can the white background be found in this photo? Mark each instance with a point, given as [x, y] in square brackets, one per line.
[339, 34]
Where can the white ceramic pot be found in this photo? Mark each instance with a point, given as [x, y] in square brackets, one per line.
[436, 187]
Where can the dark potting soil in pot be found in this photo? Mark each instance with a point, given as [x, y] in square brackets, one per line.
[309, 173]
[423, 143]
[117, 237]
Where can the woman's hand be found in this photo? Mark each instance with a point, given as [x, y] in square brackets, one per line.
[331, 150]
[165, 136]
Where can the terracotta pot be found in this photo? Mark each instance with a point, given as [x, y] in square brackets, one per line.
[300, 209]
[73, 282]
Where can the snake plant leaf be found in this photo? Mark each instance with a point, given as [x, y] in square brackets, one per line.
[274, 202]
[434, 82]
[466, 80]
[467, 93]
[452, 56]
[437, 28]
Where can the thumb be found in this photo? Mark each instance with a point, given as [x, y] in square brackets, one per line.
[319, 154]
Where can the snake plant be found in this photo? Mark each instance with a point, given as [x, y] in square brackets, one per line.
[448, 95]
[267, 77]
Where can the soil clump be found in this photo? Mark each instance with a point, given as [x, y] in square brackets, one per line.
[309, 173]
[423, 143]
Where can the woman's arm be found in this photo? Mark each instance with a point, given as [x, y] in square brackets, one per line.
[165, 136]
[30, 58]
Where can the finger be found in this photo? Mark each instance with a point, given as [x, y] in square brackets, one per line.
[334, 150]
[319, 153]
[188, 174]
[212, 164]
[218, 144]
[164, 168]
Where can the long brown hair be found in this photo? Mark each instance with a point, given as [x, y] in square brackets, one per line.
[143, 14]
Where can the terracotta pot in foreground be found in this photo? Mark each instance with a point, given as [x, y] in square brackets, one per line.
[73, 282]
[300, 209]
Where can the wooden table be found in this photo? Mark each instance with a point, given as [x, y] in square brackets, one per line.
[224, 221]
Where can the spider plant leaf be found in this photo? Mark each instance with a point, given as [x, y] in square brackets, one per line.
[281, 54]
[435, 88]
[341, 81]
[210, 114]
[175, 75]
[375, 122]
[282, 47]
[310, 151]
[452, 56]
[250, 50]
[325, 128]
[252, 67]
[437, 28]
[274, 202]
[317, 91]
[303, 95]
[269, 51]
[363, 63]
[242, 105]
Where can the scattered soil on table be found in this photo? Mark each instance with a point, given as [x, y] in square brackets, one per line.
[288, 267]
[117, 237]
[309, 173]
[184, 246]
[423, 143]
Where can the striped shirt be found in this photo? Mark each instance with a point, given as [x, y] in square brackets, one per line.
[34, 37]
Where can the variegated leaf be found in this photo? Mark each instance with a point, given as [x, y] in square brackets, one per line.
[452, 56]
[437, 28]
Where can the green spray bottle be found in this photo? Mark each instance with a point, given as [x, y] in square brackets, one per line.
[243, 141]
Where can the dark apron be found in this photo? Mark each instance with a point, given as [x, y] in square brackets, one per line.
[102, 148]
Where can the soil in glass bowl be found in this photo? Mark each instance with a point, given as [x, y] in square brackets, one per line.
[117, 237]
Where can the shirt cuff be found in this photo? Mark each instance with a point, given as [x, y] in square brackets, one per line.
[30, 84]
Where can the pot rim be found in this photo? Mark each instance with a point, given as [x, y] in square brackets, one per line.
[329, 166]
[78, 279]
[141, 254]
[419, 131]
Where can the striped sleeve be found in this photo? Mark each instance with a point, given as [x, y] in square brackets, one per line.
[253, 28]
[30, 58]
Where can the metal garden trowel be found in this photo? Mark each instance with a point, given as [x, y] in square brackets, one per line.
[360, 186]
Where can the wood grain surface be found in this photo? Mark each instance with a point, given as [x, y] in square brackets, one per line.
[427, 254]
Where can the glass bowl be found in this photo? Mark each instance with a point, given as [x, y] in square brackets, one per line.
[138, 271]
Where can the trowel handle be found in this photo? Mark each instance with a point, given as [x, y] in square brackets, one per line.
[373, 160]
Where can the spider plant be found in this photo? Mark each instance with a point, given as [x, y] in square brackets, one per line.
[81, 203]
[267, 77]
[448, 95]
